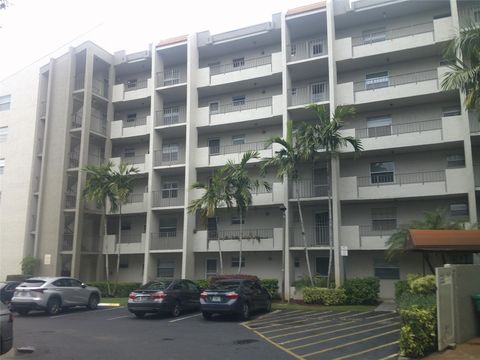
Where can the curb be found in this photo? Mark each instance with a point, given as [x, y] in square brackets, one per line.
[109, 304]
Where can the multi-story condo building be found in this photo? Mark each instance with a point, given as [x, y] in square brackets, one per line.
[187, 105]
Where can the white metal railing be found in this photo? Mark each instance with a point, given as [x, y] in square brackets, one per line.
[247, 234]
[171, 77]
[135, 85]
[308, 94]
[308, 189]
[238, 148]
[77, 120]
[240, 64]
[100, 87]
[315, 236]
[70, 200]
[169, 158]
[171, 115]
[234, 106]
[395, 80]
[67, 241]
[370, 37]
[134, 123]
[306, 49]
[168, 197]
[98, 123]
[166, 240]
[401, 179]
[378, 230]
[74, 159]
[397, 129]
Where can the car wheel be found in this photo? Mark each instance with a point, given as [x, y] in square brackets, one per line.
[207, 315]
[175, 310]
[22, 312]
[93, 301]
[245, 314]
[139, 314]
[53, 306]
[268, 306]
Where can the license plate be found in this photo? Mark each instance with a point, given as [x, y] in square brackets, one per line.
[216, 299]
[140, 299]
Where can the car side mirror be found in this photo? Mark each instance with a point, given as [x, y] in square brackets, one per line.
[83, 285]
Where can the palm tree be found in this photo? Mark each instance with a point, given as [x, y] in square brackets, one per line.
[323, 138]
[286, 161]
[215, 194]
[99, 188]
[241, 186]
[123, 182]
[463, 55]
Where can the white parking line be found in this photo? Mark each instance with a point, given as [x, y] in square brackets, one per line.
[82, 312]
[119, 317]
[184, 318]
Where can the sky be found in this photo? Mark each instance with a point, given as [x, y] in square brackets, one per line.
[33, 31]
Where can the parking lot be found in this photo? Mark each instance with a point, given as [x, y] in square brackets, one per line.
[114, 333]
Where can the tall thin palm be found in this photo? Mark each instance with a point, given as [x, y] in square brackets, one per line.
[286, 162]
[241, 186]
[123, 184]
[463, 55]
[99, 188]
[214, 195]
[322, 138]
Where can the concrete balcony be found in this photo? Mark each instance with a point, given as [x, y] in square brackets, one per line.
[140, 162]
[168, 198]
[132, 91]
[171, 116]
[307, 189]
[123, 129]
[171, 78]
[313, 94]
[241, 70]
[207, 156]
[166, 241]
[130, 244]
[262, 197]
[417, 133]
[393, 40]
[136, 203]
[167, 160]
[250, 110]
[315, 236]
[252, 240]
[364, 237]
[415, 184]
[98, 124]
[307, 49]
[391, 87]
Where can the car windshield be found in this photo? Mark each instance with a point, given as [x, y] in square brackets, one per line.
[156, 285]
[2, 285]
[226, 285]
[32, 283]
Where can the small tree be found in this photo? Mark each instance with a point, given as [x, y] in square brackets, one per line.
[29, 265]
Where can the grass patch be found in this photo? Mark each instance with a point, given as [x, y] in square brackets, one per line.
[115, 300]
[338, 308]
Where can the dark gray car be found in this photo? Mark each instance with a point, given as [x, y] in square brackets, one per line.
[6, 329]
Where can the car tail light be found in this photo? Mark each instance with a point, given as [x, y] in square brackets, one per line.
[159, 295]
[38, 290]
[232, 295]
[203, 295]
[132, 295]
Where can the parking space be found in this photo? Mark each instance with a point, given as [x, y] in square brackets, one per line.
[330, 335]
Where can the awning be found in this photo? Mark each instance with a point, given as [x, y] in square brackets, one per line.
[445, 240]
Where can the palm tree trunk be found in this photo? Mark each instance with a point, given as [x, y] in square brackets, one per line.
[118, 246]
[307, 259]
[330, 222]
[220, 253]
[107, 270]
[240, 257]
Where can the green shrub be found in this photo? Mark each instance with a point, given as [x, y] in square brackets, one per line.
[318, 281]
[29, 265]
[202, 283]
[271, 285]
[418, 331]
[123, 289]
[401, 287]
[324, 296]
[362, 291]
[423, 285]
[408, 300]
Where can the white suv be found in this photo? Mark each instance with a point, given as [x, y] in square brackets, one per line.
[52, 294]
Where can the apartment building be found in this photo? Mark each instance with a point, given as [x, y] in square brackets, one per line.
[187, 105]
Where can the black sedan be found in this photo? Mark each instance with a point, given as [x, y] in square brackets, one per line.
[234, 296]
[164, 296]
[7, 288]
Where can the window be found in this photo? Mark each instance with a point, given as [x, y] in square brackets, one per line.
[170, 190]
[171, 115]
[131, 117]
[458, 210]
[235, 220]
[379, 126]
[3, 134]
[75, 283]
[129, 152]
[238, 139]
[382, 172]
[455, 161]
[5, 102]
[321, 265]
[386, 270]
[168, 227]
[131, 84]
[126, 226]
[213, 107]
[293, 50]
[165, 268]
[171, 77]
[214, 146]
[2, 166]
[294, 91]
[170, 152]
[384, 219]
[317, 92]
[238, 62]
[374, 35]
[376, 80]
[235, 261]
[238, 100]
[451, 111]
[316, 47]
[296, 262]
[211, 268]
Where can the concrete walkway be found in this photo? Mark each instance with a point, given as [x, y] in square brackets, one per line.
[387, 305]
[467, 351]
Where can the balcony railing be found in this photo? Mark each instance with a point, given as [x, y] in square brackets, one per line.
[402, 179]
[252, 234]
[242, 106]
[306, 49]
[240, 64]
[307, 95]
[135, 198]
[98, 124]
[390, 34]
[135, 85]
[133, 123]
[79, 82]
[397, 129]
[129, 238]
[74, 159]
[308, 189]
[238, 148]
[166, 240]
[314, 235]
[77, 120]
[67, 242]
[100, 88]
[133, 160]
[170, 78]
[168, 159]
[395, 80]
[169, 197]
[171, 116]
[70, 200]
[370, 230]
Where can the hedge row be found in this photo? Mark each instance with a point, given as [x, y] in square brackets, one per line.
[324, 296]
